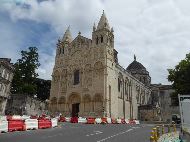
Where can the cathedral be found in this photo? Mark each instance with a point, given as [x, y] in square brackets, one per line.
[88, 81]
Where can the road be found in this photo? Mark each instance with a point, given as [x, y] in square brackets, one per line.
[68, 132]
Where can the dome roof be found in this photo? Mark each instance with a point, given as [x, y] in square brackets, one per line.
[135, 65]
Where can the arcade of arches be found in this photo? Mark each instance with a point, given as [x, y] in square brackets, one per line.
[78, 105]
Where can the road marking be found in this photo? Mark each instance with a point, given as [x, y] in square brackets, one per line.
[136, 127]
[96, 133]
[114, 135]
[59, 134]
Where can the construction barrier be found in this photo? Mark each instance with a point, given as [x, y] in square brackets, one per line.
[98, 120]
[68, 119]
[74, 119]
[31, 124]
[90, 120]
[113, 121]
[122, 121]
[82, 120]
[62, 119]
[54, 122]
[104, 120]
[24, 117]
[109, 121]
[127, 121]
[3, 126]
[16, 125]
[44, 123]
[118, 121]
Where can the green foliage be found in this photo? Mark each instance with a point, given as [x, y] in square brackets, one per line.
[43, 88]
[180, 77]
[25, 72]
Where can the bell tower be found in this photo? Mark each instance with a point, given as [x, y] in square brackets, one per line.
[102, 35]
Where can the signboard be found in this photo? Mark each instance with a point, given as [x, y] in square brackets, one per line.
[184, 104]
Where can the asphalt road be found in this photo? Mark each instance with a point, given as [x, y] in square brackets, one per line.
[67, 132]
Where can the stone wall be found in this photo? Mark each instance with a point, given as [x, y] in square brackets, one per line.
[21, 104]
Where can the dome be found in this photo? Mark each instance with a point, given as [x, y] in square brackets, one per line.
[136, 66]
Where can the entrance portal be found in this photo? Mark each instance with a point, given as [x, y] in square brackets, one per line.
[75, 110]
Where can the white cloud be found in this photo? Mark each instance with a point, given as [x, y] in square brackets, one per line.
[156, 31]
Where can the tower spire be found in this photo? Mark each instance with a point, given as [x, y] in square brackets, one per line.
[135, 57]
[103, 23]
[67, 36]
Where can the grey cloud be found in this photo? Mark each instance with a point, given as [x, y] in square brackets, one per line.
[156, 31]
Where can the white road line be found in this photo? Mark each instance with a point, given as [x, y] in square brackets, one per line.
[96, 133]
[114, 135]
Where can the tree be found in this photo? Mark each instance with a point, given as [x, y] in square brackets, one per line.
[25, 72]
[180, 78]
[43, 88]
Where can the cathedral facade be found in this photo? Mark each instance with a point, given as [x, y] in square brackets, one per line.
[87, 79]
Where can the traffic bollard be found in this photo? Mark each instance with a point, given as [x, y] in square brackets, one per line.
[162, 129]
[169, 130]
[158, 131]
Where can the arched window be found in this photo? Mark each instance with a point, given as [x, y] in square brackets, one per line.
[102, 39]
[76, 77]
[63, 50]
[119, 85]
[97, 40]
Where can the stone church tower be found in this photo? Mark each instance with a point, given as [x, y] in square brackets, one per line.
[87, 79]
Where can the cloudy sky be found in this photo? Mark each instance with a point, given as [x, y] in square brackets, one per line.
[156, 31]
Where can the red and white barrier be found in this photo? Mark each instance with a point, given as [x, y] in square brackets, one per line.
[98, 120]
[109, 121]
[68, 119]
[90, 120]
[82, 120]
[31, 124]
[16, 125]
[118, 120]
[74, 119]
[54, 122]
[3, 125]
[44, 123]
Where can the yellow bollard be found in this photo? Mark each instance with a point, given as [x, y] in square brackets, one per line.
[152, 139]
[155, 134]
[169, 130]
[162, 129]
[158, 132]
[174, 127]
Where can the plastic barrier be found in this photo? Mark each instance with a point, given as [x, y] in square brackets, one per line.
[113, 121]
[137, 122]
[67, 119]
[31, 124]
[44, 123]
[16, 117]
[109, 121]
[132, 122]
[3, 118]
[9, 117]
[118, 121]
[62, 119]
[33, 117]
[3, 126]
[16, 125]
[24, 117]
[104, 120]
[82, 120]
[123, 121]
[90, 120]
[74, 119]
[98, 120]
[54, 122]
[127, 121]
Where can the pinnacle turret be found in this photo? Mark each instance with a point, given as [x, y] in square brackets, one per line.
[103, 23]
[67, 36]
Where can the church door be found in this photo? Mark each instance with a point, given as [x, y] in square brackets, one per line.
[75, 110]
